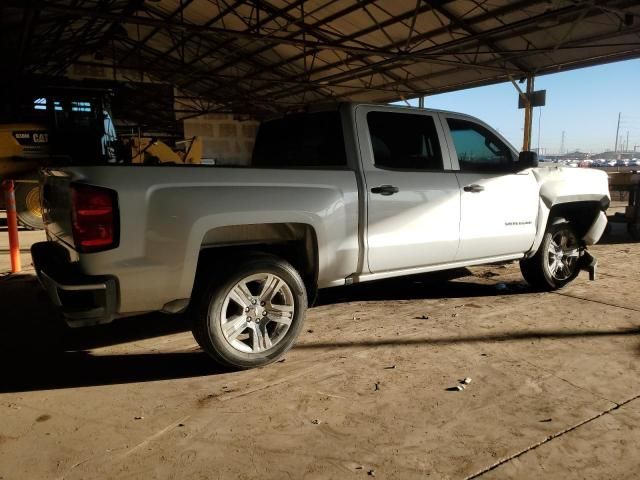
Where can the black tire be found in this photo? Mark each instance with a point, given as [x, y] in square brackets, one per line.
[28, 207]
[537, 270]
[209, 316]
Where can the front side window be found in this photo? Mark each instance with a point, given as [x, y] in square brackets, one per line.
[478, 149]
[404, 141]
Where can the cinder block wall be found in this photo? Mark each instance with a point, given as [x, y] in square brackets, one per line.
[225, 140]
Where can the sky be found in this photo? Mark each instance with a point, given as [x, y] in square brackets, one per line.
[583, 103]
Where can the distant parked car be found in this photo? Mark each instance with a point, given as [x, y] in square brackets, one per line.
[622, 163]
[634, 162]
[612, 163]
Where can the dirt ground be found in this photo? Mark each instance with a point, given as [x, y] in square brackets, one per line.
[366, 392]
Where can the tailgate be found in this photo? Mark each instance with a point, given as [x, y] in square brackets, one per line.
[56, 205]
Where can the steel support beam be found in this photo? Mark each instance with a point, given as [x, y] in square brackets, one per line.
[201, 29]
[528, 115]
[520, 27]
[154, 32]
[227, 44]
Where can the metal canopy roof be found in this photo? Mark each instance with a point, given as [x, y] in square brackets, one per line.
[261, 56]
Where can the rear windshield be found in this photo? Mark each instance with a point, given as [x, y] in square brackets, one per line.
[311, 140]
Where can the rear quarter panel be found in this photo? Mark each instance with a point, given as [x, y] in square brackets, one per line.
[166, 213]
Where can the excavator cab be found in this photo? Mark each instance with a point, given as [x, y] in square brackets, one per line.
[54, 126]
[79, 125]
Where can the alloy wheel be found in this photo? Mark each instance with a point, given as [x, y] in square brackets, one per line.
[563, 254]
[257, 313]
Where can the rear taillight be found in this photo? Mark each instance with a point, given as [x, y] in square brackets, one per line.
[94, 218]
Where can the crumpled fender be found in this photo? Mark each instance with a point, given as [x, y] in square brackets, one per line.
[559, 185]
[564, 185]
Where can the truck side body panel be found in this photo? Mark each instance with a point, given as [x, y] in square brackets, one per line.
[360, 222]
[167, 215]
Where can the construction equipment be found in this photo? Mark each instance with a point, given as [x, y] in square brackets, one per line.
[54, 126]
[23, 148]
[152, 151]
[64, 125]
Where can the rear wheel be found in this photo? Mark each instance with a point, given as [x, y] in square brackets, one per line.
[556, 263]
[28, 208]
[254, 316]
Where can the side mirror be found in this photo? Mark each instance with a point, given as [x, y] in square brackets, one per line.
[527, 159]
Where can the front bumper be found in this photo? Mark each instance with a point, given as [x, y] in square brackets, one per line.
[83, 300]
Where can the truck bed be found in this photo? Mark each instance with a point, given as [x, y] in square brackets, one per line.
[176, 211]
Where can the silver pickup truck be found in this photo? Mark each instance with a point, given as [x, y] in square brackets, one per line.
[332, 197]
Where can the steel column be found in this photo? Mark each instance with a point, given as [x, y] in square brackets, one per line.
[528, 115]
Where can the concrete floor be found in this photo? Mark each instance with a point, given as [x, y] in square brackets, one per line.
[554, 391]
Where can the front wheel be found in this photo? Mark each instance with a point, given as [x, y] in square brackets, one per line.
[253, 316]
[556, 263]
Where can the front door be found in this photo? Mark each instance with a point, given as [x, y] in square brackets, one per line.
[498, 204]
[413, 197]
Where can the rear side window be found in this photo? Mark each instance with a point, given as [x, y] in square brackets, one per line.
[478, 149]
[312, 140]
[404, 141]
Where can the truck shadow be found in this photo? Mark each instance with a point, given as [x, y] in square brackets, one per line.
[82, 369]
[456, 283]
[39, 352]
[470, 339]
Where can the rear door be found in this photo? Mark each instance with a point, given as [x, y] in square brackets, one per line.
[413, 198]
[498, 204]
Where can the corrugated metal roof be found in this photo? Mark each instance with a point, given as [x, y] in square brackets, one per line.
[261, 56]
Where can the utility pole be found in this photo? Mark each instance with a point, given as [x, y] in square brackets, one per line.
[615, 149]
[562, 143]
[627, 149]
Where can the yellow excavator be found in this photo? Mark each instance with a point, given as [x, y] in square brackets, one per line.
[151, 151]
[54, 125]
[24, 148]
[72, 126]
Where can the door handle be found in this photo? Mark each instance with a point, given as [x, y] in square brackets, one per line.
[475, 188]
[385, 190]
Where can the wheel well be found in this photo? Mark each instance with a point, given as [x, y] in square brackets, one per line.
[580, 214]
[294, 242]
